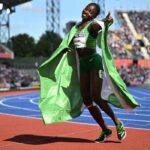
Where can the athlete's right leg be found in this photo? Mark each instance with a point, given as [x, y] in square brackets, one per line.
[85, 91]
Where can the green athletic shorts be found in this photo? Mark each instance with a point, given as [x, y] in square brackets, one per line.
[91, 62]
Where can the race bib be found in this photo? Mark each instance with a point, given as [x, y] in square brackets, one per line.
[80, 41]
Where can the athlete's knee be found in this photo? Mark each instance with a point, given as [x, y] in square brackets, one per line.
[99, 101]
[91, 105]
[88, 102]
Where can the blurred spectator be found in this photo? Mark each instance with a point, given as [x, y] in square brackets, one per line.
[12, 78]
[134, 74]
[141, 21]
[115, 40]
[118, 39]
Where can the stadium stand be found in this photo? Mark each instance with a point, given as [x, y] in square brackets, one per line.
[134, 75]
[130, 48]
[131, 44]
[12, 78]
[137, 34]
[17, 73]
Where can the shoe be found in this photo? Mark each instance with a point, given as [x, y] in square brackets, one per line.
[121, 132]
[103, 136]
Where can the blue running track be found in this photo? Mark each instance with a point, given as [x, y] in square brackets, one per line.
[27, 105]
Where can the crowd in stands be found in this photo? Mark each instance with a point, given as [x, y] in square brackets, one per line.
[124, 45]
[122, 42]
[117, 45]
[120, 49]
[148, 49]
[134, 75]
[12, 78]
[141, 21]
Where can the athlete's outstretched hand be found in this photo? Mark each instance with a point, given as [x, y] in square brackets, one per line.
[108, 18]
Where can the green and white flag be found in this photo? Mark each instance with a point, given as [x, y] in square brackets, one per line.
[60, 97]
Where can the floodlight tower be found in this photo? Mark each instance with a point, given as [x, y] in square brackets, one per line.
[53, 15]
[6, 8]
[102, 5]
[4, 26]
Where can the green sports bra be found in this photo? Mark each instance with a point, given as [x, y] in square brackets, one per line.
[83, 39]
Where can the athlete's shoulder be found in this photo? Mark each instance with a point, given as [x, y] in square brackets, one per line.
[96, 26]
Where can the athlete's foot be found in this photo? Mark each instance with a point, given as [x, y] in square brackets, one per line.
[103, 136]
[121, 132]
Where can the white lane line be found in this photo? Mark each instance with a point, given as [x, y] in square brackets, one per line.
[33, 102]
[38, 111]
[135, 124]
[24, 98]
[74, 122]
[28, 116]
[142, 110]
[142, 98]
[143, 103]
[135, 112]
[13, 98]
[120, 118]
[137, 91]
[16, 107]
[109, 125]
[130, 115]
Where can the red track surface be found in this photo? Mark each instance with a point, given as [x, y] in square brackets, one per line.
[8, 93]
[18, 133]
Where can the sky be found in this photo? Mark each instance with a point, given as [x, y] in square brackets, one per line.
[30, 17]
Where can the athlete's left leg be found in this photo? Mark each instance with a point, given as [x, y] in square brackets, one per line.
[96, 84]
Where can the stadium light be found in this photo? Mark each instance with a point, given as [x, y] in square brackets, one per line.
[7, 7]
[10, 10]
[1, 6]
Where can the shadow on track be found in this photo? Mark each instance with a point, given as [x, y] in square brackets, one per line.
[37, 139]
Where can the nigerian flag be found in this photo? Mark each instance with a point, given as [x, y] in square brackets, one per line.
[60, 97]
